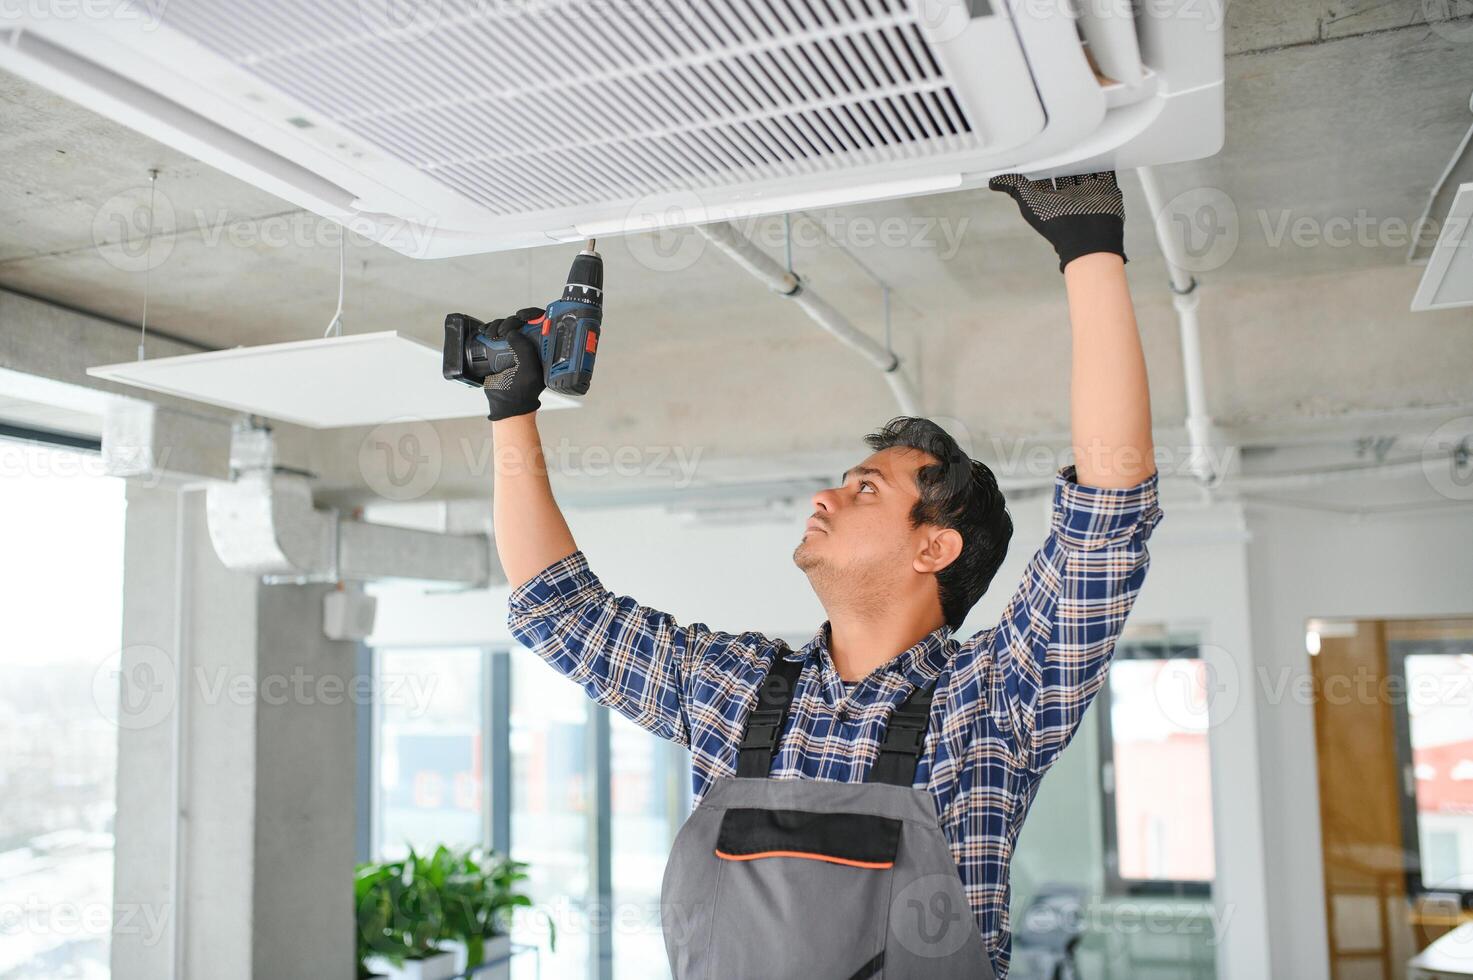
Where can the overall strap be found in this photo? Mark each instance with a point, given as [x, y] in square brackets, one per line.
[765, 722]
[904, 739]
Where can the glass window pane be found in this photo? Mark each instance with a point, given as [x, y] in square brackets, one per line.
[552, 799]
[649, 800]
[58, 696]
[1163, 790]
[431, 720]
[1440, 698]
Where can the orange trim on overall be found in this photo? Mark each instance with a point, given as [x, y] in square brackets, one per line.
[804, 854]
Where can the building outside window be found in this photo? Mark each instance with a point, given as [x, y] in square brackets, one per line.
[553, 808]
[431, 736]
[650, 798]
[1434, 724]
[1155, 773]
[61, 628]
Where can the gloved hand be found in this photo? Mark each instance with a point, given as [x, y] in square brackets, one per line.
[1081, 215]
[515, 390]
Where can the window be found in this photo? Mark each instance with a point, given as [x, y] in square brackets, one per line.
[454, 728]
[650, 796]
[552, 806]
[58, 708]
[1155, 771]
[431, 740]
[1435, 752]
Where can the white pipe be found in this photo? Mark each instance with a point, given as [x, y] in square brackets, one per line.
[1181, 280]
[770, 272]
[1186, 300]
[1199, 423]
[739, 249]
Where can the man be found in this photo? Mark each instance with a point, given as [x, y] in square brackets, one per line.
[898, 554]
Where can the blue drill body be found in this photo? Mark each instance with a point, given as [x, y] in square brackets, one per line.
[566, 335]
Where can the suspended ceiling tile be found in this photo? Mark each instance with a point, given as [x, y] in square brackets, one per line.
[359, 379]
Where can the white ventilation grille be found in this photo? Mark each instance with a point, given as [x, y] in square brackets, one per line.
[664, 95]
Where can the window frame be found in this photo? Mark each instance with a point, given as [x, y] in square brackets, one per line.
[1397, 651]
[50, 437]
[1115, 884]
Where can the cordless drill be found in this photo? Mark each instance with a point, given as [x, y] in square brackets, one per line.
[566, 335]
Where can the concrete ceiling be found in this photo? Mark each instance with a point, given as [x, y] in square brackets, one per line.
[1339, 118]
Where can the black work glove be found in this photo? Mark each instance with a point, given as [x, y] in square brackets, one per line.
[515, 390]
[1081, 215]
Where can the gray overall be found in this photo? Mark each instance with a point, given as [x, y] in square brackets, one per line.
[771, 879]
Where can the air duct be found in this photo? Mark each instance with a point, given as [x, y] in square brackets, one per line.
[264, 522]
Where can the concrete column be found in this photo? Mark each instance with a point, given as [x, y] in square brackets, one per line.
[262, 846]
[306, 776]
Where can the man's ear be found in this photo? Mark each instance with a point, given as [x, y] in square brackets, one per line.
[940, 548]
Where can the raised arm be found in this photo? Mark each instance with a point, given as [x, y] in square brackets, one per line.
[1110, 405]
[1038, 670]
[1040, 667]
[1109, 402]
[636, 660]
[531, 533]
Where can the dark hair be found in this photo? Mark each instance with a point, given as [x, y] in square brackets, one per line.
[959, 493]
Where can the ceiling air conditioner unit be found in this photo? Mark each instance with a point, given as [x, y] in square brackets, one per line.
[449, 127]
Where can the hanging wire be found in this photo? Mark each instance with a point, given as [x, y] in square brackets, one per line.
[153, 179]
[335, 325]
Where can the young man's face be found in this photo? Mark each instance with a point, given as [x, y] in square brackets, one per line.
[860, 533]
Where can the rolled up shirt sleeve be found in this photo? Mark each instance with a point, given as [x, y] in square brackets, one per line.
[629, 657]
[1047, 658]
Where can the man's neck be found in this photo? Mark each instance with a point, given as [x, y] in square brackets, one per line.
[859, 645]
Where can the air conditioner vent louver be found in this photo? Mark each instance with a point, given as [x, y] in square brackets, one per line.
[669, 96]
[480, 125]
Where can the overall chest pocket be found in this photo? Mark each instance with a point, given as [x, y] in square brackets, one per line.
[803, 894]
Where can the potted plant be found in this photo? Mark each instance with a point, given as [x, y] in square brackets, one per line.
[478, 897]
[375, 898]
[416, 915]
[399, 919]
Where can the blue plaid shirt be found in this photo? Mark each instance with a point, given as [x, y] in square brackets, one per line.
[1008, 700]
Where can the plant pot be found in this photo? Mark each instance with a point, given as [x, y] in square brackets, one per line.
[439, 965]
[496, 948]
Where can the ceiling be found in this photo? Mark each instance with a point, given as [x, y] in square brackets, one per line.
[1340, 118]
